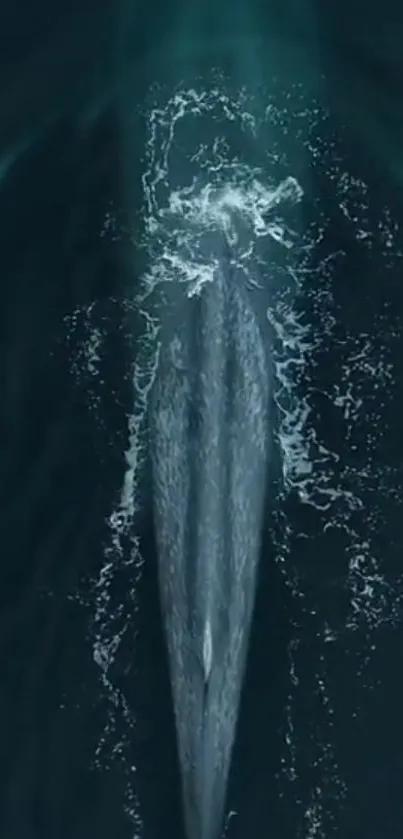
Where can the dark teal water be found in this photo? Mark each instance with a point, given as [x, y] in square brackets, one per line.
[60, 471]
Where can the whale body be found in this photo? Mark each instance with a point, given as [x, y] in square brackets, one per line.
[209, 431]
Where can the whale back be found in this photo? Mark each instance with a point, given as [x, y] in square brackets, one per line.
[209, 447]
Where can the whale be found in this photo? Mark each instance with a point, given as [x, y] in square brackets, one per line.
[209, 445]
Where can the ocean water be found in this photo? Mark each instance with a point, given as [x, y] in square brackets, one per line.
[118, 166]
